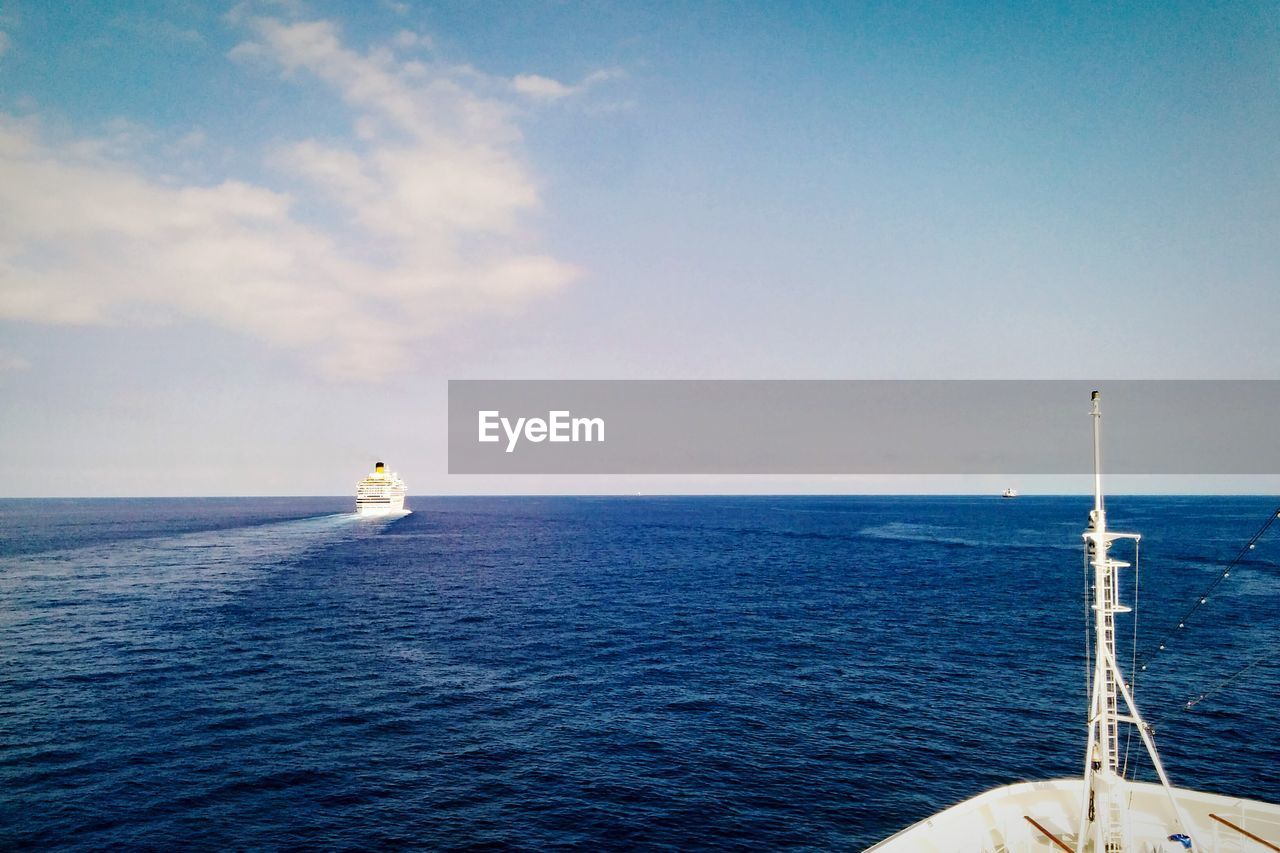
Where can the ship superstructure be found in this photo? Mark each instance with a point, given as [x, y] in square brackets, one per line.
[380, 493]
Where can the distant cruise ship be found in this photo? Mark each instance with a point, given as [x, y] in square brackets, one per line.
[380, 493]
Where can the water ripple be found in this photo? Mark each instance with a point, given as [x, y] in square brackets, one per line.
[725, 674]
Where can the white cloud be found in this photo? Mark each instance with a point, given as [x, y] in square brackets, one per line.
[10, 363]
[537, 86]
[427, 204]
[408, 39]
[546, 89]
[193, 139]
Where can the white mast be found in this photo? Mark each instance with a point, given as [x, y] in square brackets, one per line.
[1102, 808]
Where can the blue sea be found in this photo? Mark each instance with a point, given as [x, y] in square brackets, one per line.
[693, 673]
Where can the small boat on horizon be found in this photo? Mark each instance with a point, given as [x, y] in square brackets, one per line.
[1010, 493]
[380, 493]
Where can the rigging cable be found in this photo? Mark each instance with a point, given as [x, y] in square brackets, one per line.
[1204, 597]
[1191, 703]
[1133, 671]
[1230, 678]
[1088, 640]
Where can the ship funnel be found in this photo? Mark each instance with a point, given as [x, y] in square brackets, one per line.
[378, 468]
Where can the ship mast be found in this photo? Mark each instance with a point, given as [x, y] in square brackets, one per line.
[1102, 808]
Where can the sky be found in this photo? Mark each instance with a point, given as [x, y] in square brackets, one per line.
[243, 246]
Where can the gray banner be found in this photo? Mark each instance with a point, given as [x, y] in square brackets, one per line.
[860, 427]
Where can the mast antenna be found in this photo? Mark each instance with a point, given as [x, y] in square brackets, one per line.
[1102, 806]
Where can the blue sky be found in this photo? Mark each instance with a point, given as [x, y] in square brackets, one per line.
[243, 246]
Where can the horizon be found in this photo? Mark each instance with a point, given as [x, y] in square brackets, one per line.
[633, 495]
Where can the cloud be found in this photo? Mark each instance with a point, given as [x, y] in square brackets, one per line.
[408, 39]
[546, 89]
[536, 86]
[4, 42]
[193, 139]
[412, 226]
[10, 363]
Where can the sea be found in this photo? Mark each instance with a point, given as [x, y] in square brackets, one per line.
[598, 673]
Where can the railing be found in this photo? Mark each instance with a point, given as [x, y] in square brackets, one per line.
[1246, 833]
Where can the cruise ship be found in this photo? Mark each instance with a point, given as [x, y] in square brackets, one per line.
[380, 493]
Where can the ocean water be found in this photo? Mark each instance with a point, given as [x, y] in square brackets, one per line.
[594, 673]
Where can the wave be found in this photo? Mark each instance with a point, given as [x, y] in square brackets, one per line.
[901, 531]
